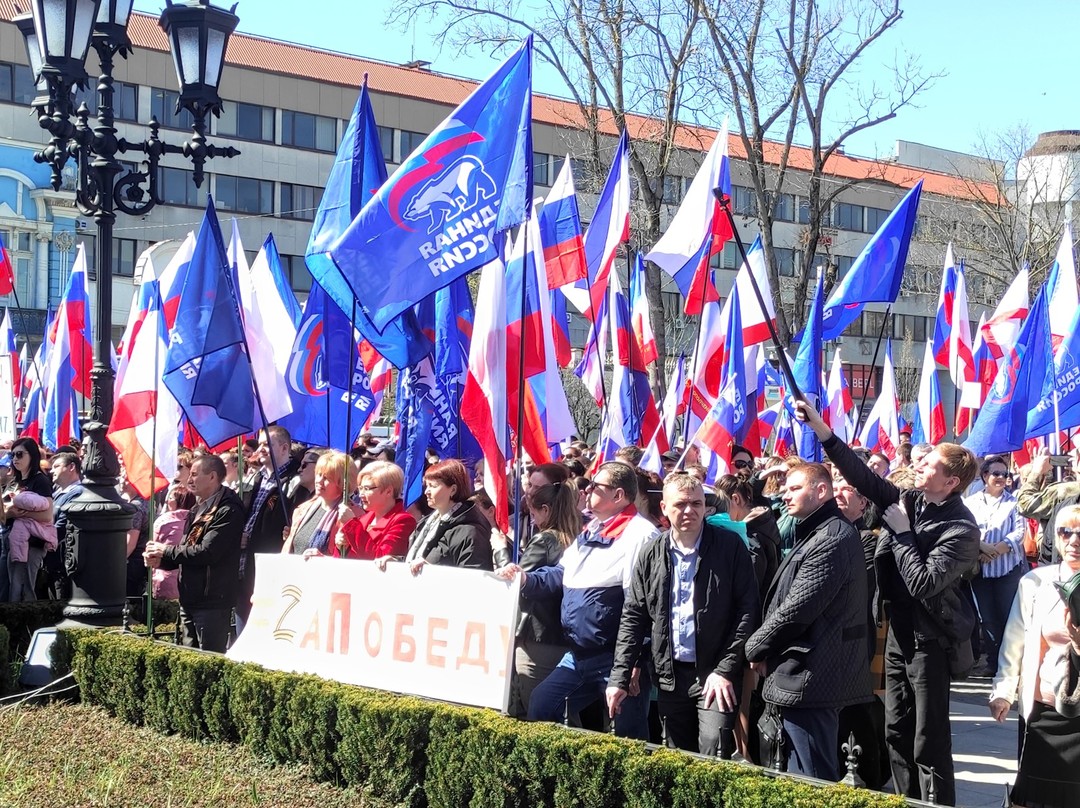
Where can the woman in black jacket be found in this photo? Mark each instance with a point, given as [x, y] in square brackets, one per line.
[456, 533]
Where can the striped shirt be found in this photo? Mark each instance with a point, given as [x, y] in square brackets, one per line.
[999, 521]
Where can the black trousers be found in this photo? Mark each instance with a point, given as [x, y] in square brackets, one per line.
[917, 728]
[207, 629]
[687, 723]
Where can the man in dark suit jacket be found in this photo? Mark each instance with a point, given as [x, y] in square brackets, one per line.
[208, 558]
[811, 646]
[694, 593]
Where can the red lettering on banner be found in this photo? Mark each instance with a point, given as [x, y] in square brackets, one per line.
[311, 638]
[404, 644]
[373, 648]
[340, 618]
[504, 633]
[479, 632]
[433, 642]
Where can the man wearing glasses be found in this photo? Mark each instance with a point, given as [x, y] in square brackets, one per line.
[593, 577]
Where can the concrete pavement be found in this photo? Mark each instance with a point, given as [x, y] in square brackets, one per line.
[984, 750]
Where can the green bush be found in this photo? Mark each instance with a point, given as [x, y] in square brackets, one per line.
[22, 619]
[407, 751]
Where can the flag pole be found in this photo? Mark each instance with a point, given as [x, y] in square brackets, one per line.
[519, 418]
[153, 475]
[352, 381]
[26, 333]
[630, 337]
[705, 277]
[785, 366]
[873, 364]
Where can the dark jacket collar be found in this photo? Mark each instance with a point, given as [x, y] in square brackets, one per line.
[807, 526]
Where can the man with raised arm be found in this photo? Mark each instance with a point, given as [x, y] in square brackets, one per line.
[931, 542]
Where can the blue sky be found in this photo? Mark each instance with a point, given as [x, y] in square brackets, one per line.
[1007, 63]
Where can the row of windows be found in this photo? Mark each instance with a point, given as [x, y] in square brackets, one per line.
[789, 208]
[240, 194]
[126, 253]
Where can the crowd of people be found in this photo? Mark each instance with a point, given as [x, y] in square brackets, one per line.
[764, 615]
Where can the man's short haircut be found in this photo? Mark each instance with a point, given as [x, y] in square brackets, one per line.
[681, 481]
[815, 473]
[385, 474]
[69, 459]
[211, 464]
[959, 463]
[879, 455]
[925, 448]
[621, 476]
[279, 434]
[630, 454]
[862, 453]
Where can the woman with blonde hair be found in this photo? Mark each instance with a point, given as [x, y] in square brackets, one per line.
[379, 525]
[315, 521]
[1039, 667]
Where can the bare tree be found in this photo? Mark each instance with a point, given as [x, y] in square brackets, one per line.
[788, 65]
[615, 58]
[582, 405]
[1020, 193]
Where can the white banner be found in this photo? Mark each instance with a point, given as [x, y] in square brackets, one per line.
[7, 400]
[446, 634]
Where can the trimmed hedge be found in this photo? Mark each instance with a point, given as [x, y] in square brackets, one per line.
[408, 751]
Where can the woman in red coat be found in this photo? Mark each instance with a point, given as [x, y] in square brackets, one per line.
[379, 526]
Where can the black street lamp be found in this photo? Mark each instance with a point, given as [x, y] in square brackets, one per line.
[57, 42]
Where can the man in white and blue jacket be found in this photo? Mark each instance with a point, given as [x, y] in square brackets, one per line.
[593, 577]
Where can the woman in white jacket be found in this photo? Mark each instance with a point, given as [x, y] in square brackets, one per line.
[1038, 667]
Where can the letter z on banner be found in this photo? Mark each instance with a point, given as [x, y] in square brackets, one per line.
[447, 634]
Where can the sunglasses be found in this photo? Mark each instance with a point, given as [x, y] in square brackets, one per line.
[997, 474]
[1068, 532]
[19, 453]
[593, 485]
[741, 464]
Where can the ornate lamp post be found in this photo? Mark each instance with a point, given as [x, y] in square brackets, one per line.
[58, 34]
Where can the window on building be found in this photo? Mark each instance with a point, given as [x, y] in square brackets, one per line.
[542, 168]
[673, 189]
[787, 261]
[163, 107]
[848, 217]
[743, 200]
[17, 84]
[306, 131]
[19, 246]
[804, 213]
[125, 254]
[244, 194]
[843, 265]
[297, 271]
[407, 143]
[873, 322]
[875, 218]
[176, 186]
[386, 142]
[784, 208]
[299, 201]
[247, 121]
[909, 325]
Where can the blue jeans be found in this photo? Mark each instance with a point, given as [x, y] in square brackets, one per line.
[810, 741]
[581, 679]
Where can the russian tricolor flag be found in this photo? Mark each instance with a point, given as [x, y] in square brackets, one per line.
[699, 230]
[560, 232]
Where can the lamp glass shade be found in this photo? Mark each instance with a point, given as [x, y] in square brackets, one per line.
[198, 34]
[64, 28]
[114, 12]
[25, 23]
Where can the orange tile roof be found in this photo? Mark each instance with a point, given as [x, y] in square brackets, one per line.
[259, 53]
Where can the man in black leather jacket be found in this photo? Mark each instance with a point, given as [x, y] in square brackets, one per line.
[694, 593]
[932, 541]
[811, 647]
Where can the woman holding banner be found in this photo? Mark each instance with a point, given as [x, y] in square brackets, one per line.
[379, 525]
[315, 522]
